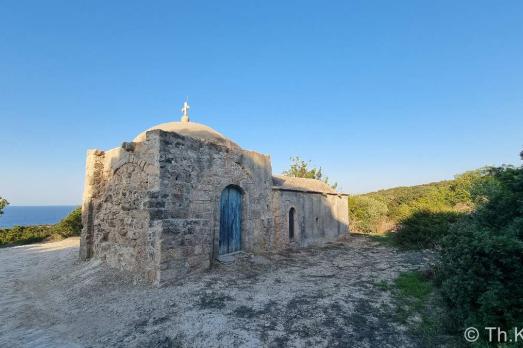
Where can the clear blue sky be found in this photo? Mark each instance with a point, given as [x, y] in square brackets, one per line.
[378, 93]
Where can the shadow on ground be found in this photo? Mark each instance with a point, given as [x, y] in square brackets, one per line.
[320, 297]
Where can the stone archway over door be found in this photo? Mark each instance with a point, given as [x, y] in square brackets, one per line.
[230, 220]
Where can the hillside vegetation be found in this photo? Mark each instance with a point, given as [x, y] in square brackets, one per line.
[69, 226]
[476, 223]
[385, 210]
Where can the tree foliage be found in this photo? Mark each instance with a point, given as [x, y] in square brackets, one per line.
[304, 169]
[3, 203]
[367, 214]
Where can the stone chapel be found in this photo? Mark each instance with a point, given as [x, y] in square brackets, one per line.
[181, 196]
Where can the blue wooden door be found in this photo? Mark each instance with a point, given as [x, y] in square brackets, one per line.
[230, 220]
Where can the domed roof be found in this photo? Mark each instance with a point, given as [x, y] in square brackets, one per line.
[190, 129]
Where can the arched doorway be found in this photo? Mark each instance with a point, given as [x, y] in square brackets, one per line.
[292, 212]
[230, 220]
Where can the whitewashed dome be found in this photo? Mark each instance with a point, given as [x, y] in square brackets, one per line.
[190, 129]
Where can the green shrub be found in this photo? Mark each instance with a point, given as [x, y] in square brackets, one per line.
[69, 226]
[366, 214]
[482, 277]
[481, 268]
[424, 229]
[24, 234]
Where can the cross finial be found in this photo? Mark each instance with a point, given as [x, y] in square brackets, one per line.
[185, 110]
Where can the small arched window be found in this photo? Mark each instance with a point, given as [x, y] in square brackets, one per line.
[292, 212]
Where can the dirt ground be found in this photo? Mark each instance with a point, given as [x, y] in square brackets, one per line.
[320, 297]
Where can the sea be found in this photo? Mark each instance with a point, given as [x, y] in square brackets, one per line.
[34, 215]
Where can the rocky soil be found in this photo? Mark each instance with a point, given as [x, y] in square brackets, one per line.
[320, 297]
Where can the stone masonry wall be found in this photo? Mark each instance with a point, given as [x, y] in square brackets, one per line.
[118, 187]
[318, 218]
[193, 175]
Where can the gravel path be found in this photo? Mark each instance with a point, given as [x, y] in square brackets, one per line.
[319, 297]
